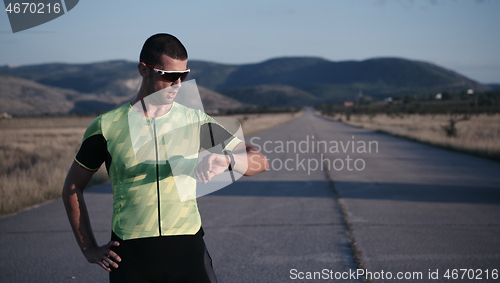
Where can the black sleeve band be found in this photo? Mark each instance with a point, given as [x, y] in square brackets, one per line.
[93, 152]
[212, 134]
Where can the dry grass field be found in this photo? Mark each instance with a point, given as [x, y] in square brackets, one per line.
[35, 154]
[478, 135]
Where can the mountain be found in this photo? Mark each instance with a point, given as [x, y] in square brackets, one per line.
[494, 86]
[80, 88]
[329, 80]
[107, 79]
[210, 75]
[213, 101]
[282, 95]
[278, 81]
[28, 98]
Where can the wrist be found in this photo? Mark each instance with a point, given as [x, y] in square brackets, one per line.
[229, 157]
[89, 248]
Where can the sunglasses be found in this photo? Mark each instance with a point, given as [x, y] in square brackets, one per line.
[170, 76]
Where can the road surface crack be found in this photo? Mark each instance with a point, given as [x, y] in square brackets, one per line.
[356, 251]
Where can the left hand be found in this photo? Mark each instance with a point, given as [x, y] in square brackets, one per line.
[210, 166]
[103, 256]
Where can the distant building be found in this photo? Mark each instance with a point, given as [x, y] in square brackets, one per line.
[5, 115]
[348, 103]
[439, 96]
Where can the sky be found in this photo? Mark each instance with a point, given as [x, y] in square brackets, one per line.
[460, 35]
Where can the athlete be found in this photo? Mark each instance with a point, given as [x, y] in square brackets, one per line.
[150, 147]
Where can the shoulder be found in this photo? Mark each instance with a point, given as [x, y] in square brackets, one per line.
[94, 128]
[115, 114]
[104, 120]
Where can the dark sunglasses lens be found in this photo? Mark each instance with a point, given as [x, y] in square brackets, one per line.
[184, 76]
[174, 77]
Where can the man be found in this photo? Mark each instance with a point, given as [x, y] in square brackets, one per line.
[150, 149]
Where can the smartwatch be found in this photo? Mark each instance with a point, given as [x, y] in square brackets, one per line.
[231, 157]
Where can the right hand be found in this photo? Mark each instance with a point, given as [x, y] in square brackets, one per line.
[210, 166]
[103, 256]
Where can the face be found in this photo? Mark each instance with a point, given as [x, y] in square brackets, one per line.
[160, 90]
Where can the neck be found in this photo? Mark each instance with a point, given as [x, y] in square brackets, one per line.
[148, 107]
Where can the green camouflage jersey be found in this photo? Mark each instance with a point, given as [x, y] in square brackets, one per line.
[150, 163]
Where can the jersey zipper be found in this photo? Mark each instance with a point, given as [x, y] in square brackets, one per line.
[153, 122]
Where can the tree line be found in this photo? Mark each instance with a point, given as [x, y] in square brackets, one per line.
[443, 103]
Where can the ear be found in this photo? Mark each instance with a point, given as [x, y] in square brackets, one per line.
[143, 70]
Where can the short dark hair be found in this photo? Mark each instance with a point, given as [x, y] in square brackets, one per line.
[162, 44]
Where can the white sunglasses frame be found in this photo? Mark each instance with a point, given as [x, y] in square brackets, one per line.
[163, 72]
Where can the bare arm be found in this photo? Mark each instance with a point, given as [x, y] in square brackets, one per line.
[72, 195]
[249, 160]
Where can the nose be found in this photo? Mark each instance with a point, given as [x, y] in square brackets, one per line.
[177, 83]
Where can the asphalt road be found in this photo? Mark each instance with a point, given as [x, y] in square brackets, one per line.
[408, 207]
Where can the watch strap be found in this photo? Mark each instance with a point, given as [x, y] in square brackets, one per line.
[231, 157]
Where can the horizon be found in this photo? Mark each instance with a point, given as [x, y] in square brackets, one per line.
[11, 66]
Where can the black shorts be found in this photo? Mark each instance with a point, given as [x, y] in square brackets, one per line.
[181, 258]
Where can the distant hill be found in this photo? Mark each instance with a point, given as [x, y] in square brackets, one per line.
[80, 88]
[107, 79]
[210, 75]
[23, 97]
[275, 82]
[282, 95]
[494, 86]
[213, 101]
[329, 80]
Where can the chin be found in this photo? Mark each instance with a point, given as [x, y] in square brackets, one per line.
[168, 100]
